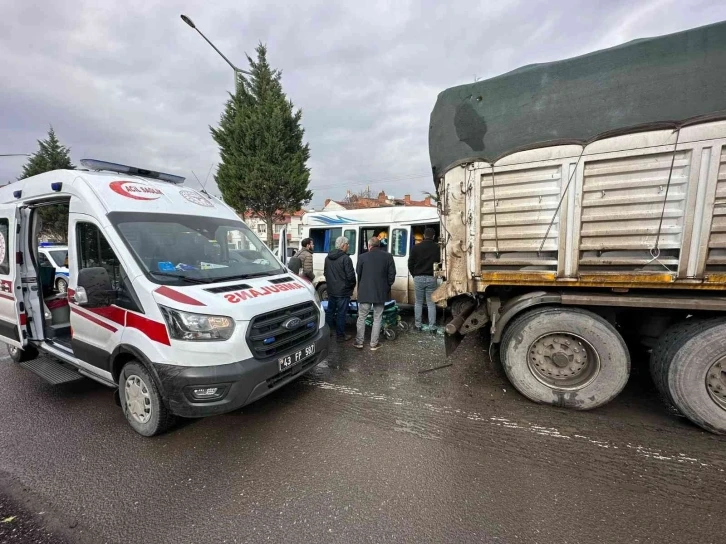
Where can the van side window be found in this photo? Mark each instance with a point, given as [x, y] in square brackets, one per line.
[324, 239]
[94, 251]
[351, 236]
[43, 260]
[399, 243]
[5, 263]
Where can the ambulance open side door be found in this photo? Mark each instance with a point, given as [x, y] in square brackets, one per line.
[12, 308]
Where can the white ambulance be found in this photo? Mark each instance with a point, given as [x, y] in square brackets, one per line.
[159, 304]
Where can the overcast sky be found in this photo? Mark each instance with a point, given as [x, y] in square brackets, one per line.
[129, 82]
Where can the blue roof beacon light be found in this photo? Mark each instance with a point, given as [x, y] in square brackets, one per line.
[56, 186]
[93, 164]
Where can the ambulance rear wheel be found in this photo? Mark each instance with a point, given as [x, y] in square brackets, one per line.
[141, 402]
[20, 355]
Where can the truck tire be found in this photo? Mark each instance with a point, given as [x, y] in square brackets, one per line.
[668, 344]
[141, 402]
[565, 357]
[696, 376]
[20, 355]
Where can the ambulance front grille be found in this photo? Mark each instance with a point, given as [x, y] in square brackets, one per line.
[267, 337]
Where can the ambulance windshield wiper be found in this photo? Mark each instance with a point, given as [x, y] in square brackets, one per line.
[245, 276]
[179, 277]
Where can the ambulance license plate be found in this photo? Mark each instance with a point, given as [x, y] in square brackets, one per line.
[295, 358]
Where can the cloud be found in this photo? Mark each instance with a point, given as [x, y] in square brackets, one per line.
[131, 83]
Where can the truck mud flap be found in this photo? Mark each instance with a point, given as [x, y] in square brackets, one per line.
[451, 342]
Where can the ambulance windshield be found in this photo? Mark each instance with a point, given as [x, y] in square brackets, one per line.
[192, 249]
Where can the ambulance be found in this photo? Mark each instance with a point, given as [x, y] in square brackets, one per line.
[171, 299]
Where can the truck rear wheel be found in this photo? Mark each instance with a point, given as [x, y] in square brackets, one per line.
[668, 344]
[141, 402]
[695, 374]
[565, 357]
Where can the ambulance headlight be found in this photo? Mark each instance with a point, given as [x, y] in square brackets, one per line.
[197, 327]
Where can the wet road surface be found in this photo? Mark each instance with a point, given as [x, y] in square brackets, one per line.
[365, 449]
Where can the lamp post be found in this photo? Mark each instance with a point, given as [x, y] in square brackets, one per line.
[237, 71]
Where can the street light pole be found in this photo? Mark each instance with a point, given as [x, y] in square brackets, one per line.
[237, 71]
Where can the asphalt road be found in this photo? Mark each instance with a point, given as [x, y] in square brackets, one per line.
[364, 449]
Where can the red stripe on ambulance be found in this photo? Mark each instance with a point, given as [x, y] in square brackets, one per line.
[177, 296]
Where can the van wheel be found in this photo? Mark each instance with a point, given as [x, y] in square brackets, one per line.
[695, 374]
[322, 291]
[20, 355]
[141, 402]
[61, 285]
[570, 358]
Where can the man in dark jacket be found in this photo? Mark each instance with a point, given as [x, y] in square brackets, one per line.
[340, 282]
[376, 274]
[421, 262]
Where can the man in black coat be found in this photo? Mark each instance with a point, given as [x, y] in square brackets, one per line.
[421, 261]
[340, 282]
[376, 274]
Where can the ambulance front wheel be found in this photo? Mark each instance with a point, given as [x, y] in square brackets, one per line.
[20, 355]
[141, 402]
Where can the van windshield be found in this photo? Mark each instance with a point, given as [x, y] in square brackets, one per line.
[192, 249]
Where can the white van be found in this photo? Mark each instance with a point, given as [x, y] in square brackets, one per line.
[158, 305]
[402, 226]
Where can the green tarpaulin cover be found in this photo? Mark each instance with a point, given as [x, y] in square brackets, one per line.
[669, 78]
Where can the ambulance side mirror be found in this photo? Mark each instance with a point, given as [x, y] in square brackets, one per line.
[96, 284]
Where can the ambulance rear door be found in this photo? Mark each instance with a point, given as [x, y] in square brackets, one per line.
[12, 308]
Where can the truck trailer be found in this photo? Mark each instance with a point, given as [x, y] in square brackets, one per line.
[583, 213]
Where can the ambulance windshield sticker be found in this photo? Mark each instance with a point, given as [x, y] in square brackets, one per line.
[196, 198]
[137, 191]
[2, 248]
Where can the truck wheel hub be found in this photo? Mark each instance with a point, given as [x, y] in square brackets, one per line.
[563, 361]
[716, 382]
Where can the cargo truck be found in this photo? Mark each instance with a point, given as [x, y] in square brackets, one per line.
[583, 212]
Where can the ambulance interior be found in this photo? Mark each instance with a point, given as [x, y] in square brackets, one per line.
[49, 220]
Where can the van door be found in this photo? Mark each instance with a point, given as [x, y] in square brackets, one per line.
[97, 325]
[399, 249]
[282, 246]
[12, 309]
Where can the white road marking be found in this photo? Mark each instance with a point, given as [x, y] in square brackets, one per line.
[550, 432]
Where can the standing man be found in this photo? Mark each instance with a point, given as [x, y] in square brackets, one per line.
[376, 274]
[421, 262]
[306, 257]
[340, 281]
